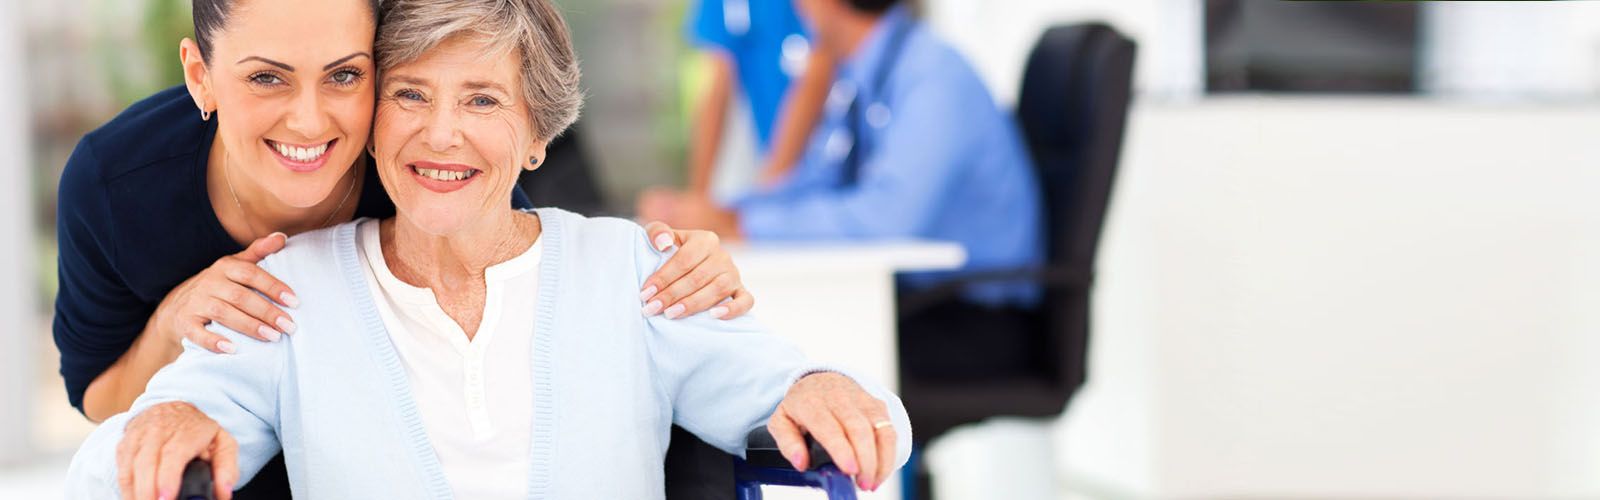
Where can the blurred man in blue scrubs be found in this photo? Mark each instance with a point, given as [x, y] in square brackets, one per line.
[758, 50]
[911, 145]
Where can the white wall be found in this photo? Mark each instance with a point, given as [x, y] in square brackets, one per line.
[17, 304]
[1486, 50]
[1340, 298]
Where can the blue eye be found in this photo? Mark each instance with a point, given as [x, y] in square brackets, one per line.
[408, 95]
[483, 101]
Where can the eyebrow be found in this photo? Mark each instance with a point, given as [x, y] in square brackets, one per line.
[480, 85]
[268, 61]
[342, 60]
[289, 68]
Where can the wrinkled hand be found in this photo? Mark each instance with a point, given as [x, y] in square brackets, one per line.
[157, 445]
[852, 425]
[699, 277]
[227, 293]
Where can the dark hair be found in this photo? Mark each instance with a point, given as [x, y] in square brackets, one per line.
[211, 16]
[873, 6]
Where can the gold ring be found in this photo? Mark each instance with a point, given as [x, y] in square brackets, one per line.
[882, 424]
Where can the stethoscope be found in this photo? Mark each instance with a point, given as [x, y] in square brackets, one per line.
[852, 142]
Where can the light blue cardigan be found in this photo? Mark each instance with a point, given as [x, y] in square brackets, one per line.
[608, 382]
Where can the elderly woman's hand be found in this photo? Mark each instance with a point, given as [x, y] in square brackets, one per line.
[699, 277]
[158, 443]
[852, 425]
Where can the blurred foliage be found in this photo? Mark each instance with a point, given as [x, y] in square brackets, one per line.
[154, 66]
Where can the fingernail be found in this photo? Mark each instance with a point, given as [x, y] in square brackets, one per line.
[270, 334]
[287, 325]
[718, 312]
[652, 308]
[166, 494]
[794, 459]
[289, 299]
[663, 241]
[862, 484]
[225, 346]
[647, 293]
[675, 311]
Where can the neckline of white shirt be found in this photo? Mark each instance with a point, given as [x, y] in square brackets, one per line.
[415, 295]
[424, 307]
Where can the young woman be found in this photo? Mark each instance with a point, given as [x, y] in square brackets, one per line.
[165, 211]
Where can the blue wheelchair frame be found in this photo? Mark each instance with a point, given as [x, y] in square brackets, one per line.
[763, 465]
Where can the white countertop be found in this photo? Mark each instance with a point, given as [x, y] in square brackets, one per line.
[899, 255]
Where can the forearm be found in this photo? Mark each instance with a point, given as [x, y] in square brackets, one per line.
[709, 119]
[93, 472]
[801, 111]
[115, 389]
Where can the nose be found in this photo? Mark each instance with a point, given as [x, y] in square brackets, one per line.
[307, 117]
[443, 130]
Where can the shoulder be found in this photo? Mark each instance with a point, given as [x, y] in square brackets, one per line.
[312, 256]
[162, 127]
[598, 244]
[930, 62]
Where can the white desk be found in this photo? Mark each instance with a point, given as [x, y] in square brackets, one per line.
[836, 300]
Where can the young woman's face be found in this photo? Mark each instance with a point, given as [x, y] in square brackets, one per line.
[292, 85]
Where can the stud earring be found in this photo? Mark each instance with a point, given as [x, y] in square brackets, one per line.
[533, 160]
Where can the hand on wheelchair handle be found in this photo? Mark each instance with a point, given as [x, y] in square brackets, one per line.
[852, 425]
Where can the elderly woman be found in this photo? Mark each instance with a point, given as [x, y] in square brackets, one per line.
[464, 348]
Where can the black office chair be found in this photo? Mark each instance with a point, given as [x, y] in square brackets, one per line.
[1072, 110]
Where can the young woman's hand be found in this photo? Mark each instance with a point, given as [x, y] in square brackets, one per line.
[699, 277]
[235, 292]
[852, 425]
[157, 445]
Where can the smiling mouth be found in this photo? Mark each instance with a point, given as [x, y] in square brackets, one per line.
[301, 154]
[445, 175]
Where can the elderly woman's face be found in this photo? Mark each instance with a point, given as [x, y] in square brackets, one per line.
[451, 135]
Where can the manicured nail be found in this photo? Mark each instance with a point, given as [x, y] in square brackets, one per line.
[270, 334]
[718, 312]
[794, 459]
[647, 293]
[166, 494]
[652, 308]
[862, 484]
[225, 346]
[287, 325]
[663, 241]
[288, 299]
[675, 311]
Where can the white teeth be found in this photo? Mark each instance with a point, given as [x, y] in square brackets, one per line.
[443, 175]
[301, 154]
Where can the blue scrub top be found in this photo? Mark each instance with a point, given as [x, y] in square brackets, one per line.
[945, 163]
[766, 42]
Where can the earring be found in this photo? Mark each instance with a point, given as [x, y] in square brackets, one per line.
[205, 115]
[533, 160]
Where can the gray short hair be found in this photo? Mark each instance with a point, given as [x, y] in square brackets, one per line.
[533, 29]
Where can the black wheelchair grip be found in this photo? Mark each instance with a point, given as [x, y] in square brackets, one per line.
[196, 481]
[761, 450]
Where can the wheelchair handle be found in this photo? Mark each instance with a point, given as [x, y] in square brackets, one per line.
[761, 450]
[196, 481]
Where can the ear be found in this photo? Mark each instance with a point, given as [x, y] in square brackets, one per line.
[196, 76]
[535, 156]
